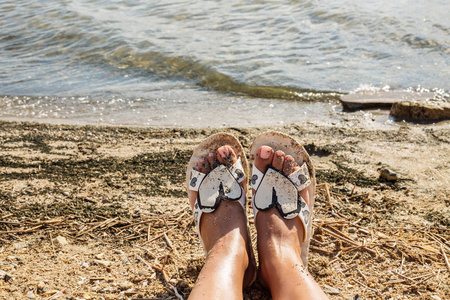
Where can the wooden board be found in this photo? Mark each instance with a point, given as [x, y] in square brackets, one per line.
[381, 99]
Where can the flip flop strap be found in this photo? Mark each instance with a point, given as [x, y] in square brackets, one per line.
[237, 170]
[220, 183]
[299, 178]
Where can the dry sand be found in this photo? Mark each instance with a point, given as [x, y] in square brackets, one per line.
[101, 212]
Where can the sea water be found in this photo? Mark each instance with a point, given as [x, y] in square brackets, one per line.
[212, 63]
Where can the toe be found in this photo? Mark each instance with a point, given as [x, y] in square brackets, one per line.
[289, 165]
[278, 160]
[226, 155]
[263, 158]
[212, 160]
[203, 165]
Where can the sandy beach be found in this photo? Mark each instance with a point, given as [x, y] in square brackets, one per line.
[92, 212]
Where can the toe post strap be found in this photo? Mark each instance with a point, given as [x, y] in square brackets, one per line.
[300, 178]
[220, 183]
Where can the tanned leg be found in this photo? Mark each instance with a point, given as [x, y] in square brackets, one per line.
[229, 265]
[279, 241]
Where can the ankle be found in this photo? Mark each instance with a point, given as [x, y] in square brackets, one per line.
[279, 246]
[278, 237]
[231, 246]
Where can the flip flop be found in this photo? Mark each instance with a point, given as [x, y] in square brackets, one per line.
[274, 189]
[221, 183]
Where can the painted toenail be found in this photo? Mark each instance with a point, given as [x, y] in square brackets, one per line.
[265, 153]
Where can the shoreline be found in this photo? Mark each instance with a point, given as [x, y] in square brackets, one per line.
[116, 196]
[365, 120]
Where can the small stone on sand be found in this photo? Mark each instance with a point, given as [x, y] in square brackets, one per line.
[330, 290]
[103, 263]
[388, 175]
[60, 240]
[421, 110]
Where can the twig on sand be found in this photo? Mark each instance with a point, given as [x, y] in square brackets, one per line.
[345, 238]
[425, 278]
[395, 281]
[437, 238]
[51, 241]
[361, 273]
[350, 249]
[145, 263]
[148, 251]
[320, 250]
[392, 201]
[135, 224]
[102, 224]
[402, 276]
[156, 237]
[6, 216]
[169, 243]
[445, 258]
[339, 235]
[161, 269]
[327, 192]
[176, 291]
[369, 288]
[21, 231]
[338, 195]
[360, 195]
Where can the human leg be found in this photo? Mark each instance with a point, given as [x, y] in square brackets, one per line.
[230, 264]
[280, 240]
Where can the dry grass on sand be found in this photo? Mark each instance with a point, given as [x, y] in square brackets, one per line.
[101, 212]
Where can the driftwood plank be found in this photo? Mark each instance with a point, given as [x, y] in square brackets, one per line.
[381, 99]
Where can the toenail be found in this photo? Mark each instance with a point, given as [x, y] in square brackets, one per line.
[224, 152]
[265, 153]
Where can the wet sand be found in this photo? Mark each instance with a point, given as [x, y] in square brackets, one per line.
[101, 212]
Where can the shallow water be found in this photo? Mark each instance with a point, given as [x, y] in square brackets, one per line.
[209, 63]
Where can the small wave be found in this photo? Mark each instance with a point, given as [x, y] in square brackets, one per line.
[307, 52]
[159, 65]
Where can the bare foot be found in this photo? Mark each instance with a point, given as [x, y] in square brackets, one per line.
[279, 240]
[230, 258]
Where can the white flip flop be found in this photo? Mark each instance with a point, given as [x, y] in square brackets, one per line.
[274, 189]
[222, 183]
